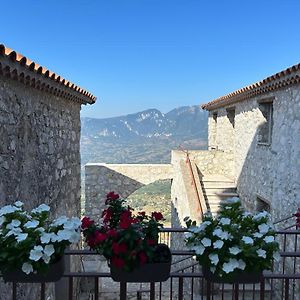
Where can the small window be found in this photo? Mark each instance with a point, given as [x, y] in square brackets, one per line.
[262, 204]
[265, 129]
[231, 115]
[215, 117]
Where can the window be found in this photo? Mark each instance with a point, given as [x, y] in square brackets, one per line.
[231, 115]
[265, 129]
[262, 204]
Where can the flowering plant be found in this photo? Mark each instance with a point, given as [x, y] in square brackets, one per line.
[233, 241]
[297, 215]
[125, 240]
[30, 242]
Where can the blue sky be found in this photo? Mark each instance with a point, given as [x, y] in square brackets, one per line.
[140, 54]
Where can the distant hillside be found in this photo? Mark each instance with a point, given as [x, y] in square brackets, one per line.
[143, 137]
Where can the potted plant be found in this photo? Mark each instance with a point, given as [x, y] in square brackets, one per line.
[235, 246]
[32, 247]
[129, 242]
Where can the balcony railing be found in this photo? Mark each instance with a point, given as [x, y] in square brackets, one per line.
[186, 279]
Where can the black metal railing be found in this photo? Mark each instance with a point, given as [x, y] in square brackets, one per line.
[187, 281]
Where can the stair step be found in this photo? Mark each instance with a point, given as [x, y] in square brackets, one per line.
[217, 190]
[218, 184]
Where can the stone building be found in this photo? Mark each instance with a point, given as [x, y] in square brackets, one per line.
[260, 126]
[254, 150]
[40, 134]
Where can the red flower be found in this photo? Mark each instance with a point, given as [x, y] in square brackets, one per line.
[106, 215]
[100, 237]
[119, 248]
[125, 219]
[112, 196]
[91, 242]
[86, 222]
[118, 262]
[112, 233]
[143, 258]
[157, 216]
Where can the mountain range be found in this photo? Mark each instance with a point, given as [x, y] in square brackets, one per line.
[144, 137]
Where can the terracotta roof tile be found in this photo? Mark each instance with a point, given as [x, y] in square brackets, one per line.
[27, 71]
[274, 82]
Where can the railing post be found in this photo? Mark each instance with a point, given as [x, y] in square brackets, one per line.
[262, 288]
[208, 290]
[286, 288]
[123, 290]
[236, 291]
[71, 288]
[14, 294]
[43, 290]
[96, 288]
[152, 290]
[180, 288]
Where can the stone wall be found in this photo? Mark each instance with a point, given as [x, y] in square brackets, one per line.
[268, 171]
[39, 153]
[123, 179]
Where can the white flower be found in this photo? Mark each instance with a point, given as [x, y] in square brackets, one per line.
[218, 244]
[60, 221]
[36, 253]
[247, 214]
[200, 228]
[247, 240]
[261, 253]
[187, 235]
[225, 221]
[263, 214]
[269, 239]
[224, 235]
[40, 229]
[21, 237]
[13, 224]
[68, 235]
[27, 268]
[234, 250]
[14, 231]
[230, 266]
[2, 220]
[263, 228]
[232, 200]
[31, 224]
[206, 242]
[276, 256]
[8, 209]
[18, 203]
[214, 258]
[257, 235]
[199, 249]
[46, 258]
[45, 237]
[213, 269]
[41, 208]
[49, 250]
[242, 264]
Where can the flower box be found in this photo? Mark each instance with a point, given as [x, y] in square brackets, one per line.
[235, 246]
[54, 273]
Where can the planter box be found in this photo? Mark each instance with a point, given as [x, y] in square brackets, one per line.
[234, 277]
[54, 273]
[153, 272]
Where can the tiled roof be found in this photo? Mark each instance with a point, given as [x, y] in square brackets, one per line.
[277, 81]
[21, 68]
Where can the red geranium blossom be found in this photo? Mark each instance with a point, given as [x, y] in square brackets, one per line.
[86, 222]
[118, 262]
[143, 258]
[157, 216]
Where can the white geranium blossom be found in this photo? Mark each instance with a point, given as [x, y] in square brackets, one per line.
[18, 203]
[247, 214]
[214, 258]
[8, 209]
[200, 228]
[247, 240]
[49, 250]
[234, 250]
[21, 237]
[224, 235]
[46, 237]
[187, 235]
[230, 266]
[14, 231]
[213, 269]
[199, 249]
[36, 253]
[257, 235]
[263, 214]
[41, 208]
[261, 253]
[218, 244]
[206, 242]
[60, 221]
[13, 224]
[263, 228]
[27, 268]
[242, 264]
[31, 224]
[68, 235]
[225, 221]
[269, 239]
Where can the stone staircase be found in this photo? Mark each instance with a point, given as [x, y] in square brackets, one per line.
[217, 188]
